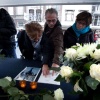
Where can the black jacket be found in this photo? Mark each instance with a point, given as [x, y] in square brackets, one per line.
[25, 45]
[71, 39]
[7, 29]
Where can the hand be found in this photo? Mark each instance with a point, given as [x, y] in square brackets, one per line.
[45, 70]
[54, 65]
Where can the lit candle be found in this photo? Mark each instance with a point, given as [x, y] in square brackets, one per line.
[33, 85]
[22, 83]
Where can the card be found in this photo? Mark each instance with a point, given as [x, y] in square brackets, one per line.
[28, 73]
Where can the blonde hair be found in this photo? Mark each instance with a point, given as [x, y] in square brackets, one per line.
[33, 28]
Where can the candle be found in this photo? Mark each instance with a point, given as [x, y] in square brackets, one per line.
[22, 83]
[33, 85]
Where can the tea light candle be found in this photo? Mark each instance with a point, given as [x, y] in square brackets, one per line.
[33, 85]
[22, 83]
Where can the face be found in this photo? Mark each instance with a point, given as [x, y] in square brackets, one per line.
[80, 25]
[51, 19]
[36, 37]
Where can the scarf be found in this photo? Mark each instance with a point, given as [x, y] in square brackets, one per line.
[81, 31]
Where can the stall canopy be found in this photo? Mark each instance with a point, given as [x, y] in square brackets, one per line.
[45, 2]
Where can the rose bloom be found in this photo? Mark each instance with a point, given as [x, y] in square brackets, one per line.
[66, 71]
[70, 53]
[95, 54]
[85, 50]
[95, 71]
[58, 94]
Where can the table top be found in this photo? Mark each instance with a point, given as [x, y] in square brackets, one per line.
[11, 67]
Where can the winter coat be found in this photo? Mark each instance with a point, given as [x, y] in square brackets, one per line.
[7, 29]
[71, 39]
[52, 44]
[26, 47]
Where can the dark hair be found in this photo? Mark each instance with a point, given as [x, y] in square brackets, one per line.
[51, 10]
[84, 16]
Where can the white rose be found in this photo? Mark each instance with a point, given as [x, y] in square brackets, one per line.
[85, 50]
[8, 78]
[77, 88]
[66, 71]
[81, 52]
[58, 94]
[95, 71]
[71, 53]
[95, 54]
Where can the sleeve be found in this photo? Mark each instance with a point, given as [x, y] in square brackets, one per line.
[10, 28]
[45, 49]
[58, 45]
[92, 37]
[64, 40]
[21, 40]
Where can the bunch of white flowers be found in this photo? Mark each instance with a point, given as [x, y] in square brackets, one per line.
[81, 52]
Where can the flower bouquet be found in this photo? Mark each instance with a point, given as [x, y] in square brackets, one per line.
[81, 67]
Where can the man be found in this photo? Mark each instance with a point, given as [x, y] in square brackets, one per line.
[52, 41]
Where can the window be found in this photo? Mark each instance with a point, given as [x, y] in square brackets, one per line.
[20, 24]
[38, 15]
[11, 10]
[69, 15]
[31, 14]
[96, 20]
[19, 11]
[82, 11]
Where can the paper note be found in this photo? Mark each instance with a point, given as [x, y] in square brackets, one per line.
[49, 79]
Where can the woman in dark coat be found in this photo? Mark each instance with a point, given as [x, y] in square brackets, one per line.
[80, 31]
[29, 41]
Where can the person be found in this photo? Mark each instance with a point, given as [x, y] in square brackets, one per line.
[80, 31]
[52, 41]
[7, 34]
[29, 41]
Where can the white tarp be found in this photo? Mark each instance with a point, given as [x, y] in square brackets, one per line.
[45, 2]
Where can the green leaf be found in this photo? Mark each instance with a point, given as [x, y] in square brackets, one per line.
[17, 97]
[55, 68]
[91, 82]
[23, 98]
[13, 90]
[4, 82]
[11, 98]
[37, 97]
[76, 73]
[87, 65]
[48, 97]
[59, 78]
[13, 83]
[21, 92]
[98, 46]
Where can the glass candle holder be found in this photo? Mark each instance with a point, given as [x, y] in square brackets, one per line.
[22, 83]
[33, 85]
